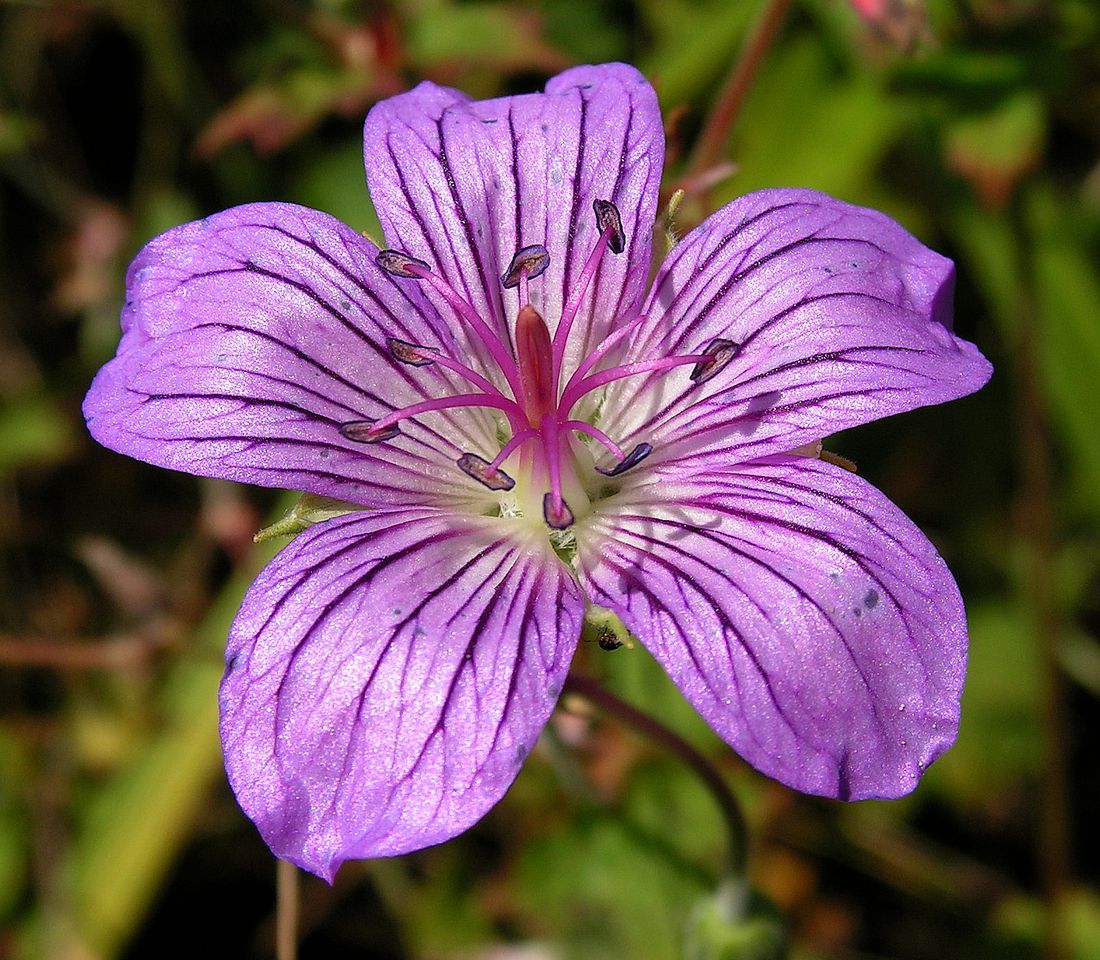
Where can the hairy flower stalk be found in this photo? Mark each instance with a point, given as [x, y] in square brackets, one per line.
[522, 430]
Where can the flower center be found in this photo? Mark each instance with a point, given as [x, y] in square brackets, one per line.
[539, 409]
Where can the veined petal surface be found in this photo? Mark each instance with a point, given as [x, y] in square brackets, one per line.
[803, 615]
[839, 316]
[386, 677]
[464, 185]
[251, 335]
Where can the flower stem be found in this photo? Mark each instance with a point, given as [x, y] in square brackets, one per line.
[591, 690]
[286, 911]
[708, 150]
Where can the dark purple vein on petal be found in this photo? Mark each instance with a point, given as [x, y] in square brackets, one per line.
[626, 569]
[724, 543]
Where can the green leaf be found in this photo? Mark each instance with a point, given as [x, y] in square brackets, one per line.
[309, 509]
[332, 181]
[694, 47]
[999, 739]
[734, 924]
[1068, 291]
[608, 890]
[804, 125]
[33, 430]
[1024, 919]
[994, 149]
[492, 35]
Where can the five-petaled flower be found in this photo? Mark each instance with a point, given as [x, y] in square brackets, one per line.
[528, 431]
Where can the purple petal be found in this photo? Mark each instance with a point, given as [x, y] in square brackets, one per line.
[465, 185]
[387, 675]
[801, 613]
[250, 336]
[839, 316]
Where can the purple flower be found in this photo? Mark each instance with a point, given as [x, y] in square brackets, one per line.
[527, 431]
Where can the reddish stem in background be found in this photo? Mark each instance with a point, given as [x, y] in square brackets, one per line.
[604, 699]
[716, 130]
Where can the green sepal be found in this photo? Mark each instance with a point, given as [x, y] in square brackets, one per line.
[605, 629]
[309, 509]
[672, 235]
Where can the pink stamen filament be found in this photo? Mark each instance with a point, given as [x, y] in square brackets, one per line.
[579, 389]
[569, 314]
[596, 434]
[604, 348]
[466, 312]
[509, 448]
[449, 403]
[461, 369]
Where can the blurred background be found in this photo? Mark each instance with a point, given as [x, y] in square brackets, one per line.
[976, 123]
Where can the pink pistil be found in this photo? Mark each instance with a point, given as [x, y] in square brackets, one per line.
[536, 365]
[541, 406]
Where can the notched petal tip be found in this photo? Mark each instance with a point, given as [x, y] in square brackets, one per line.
[411, 353]
[632, 459]
[559, 519]
[530, 261]
[607, 215]
[363, 431]
[400, 264]
[479, 469]
[719, 352]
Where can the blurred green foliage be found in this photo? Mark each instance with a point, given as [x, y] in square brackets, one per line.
[118, 837]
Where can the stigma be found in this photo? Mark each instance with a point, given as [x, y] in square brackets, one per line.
[538, 402]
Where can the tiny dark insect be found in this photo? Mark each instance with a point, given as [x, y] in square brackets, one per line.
[608, 641]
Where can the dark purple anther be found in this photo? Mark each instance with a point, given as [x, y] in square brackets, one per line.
[632, 459]
[529, 261]
[556, 519]
[607, 215]
[362, 431]
[401, 264]
[410, 353]
[482, 471]
[719, 353]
